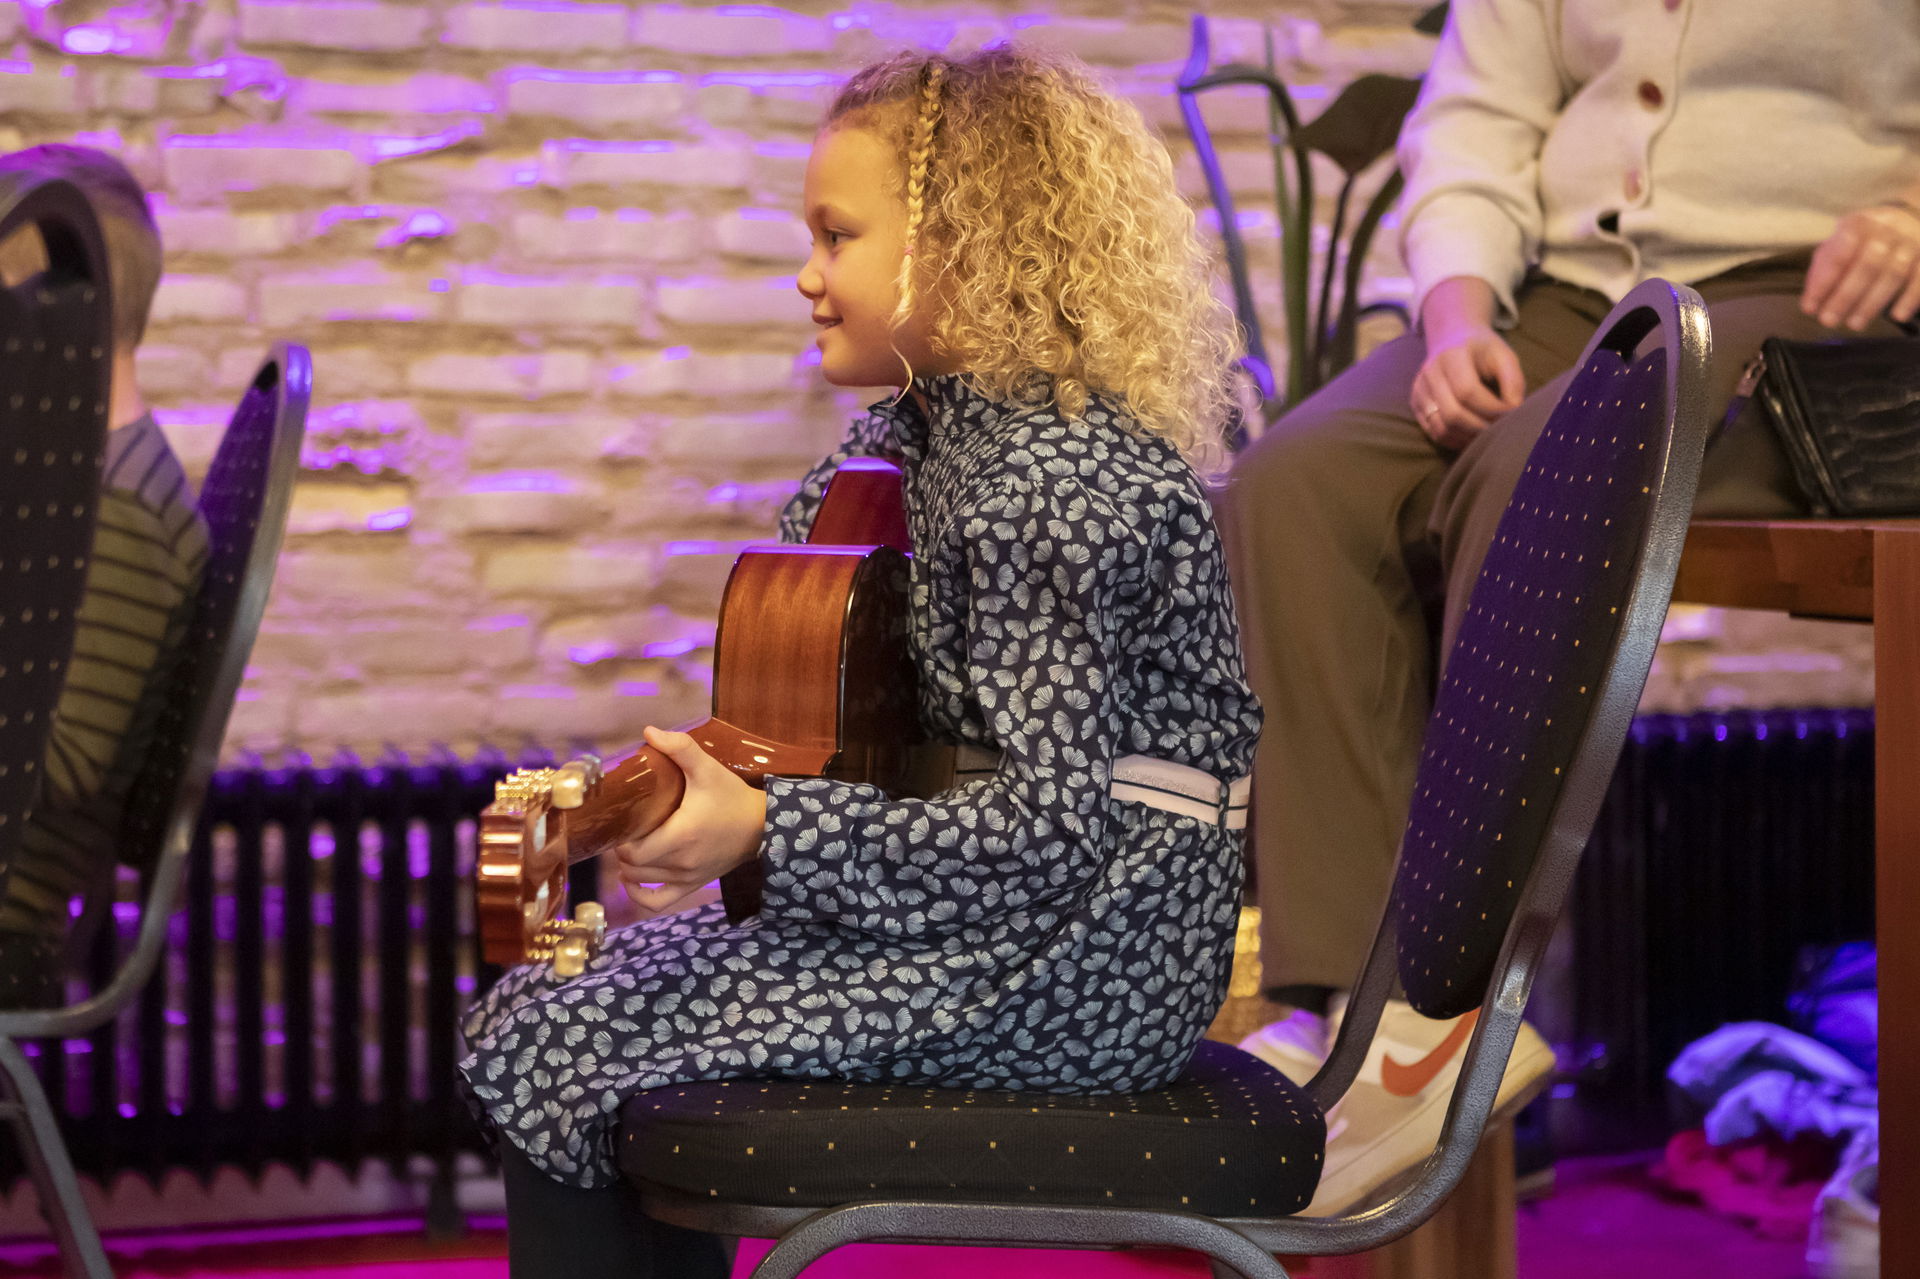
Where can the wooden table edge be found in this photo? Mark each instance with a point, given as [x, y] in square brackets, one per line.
[1814, 568]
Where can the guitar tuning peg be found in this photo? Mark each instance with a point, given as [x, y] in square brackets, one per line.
[571, 956]
[578, 940]
[571, 780]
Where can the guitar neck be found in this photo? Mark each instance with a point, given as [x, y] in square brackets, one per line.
[639, 790]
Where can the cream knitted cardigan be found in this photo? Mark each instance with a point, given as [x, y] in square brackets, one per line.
[1612, 140]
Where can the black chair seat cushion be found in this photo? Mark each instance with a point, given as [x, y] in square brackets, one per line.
[1232, 1137]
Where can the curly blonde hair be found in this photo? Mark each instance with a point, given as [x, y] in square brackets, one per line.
[1046, 234]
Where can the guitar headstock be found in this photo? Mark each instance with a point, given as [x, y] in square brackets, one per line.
[522, 881]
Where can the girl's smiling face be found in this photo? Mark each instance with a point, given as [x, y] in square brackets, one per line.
[858, 220]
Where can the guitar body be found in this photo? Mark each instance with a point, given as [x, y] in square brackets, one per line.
[812, 678]
[812, 651]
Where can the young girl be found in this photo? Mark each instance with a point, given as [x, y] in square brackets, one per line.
[1003, 240]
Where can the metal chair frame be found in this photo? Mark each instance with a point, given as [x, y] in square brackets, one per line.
[1246, 1246]
[288, 374]
[75, 251]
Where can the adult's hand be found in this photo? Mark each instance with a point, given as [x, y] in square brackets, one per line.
[1870, 264]
[1471, 377]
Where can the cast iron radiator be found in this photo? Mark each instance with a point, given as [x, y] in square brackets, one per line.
[308, 1008]
[1729, 842]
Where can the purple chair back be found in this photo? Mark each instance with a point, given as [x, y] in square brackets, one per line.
[1564, 615]
[244, 500]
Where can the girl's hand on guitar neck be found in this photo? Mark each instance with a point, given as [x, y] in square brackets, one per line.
[718, 826]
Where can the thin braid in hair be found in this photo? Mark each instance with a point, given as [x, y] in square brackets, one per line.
[919, 161]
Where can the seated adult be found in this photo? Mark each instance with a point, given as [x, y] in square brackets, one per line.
[1766, 153]
[149, 550]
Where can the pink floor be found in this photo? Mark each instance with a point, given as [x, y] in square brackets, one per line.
[1603, 1221]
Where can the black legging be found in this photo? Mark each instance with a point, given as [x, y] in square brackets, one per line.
[556, 1231]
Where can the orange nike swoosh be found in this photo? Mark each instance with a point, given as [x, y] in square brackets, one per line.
[1407, 1081]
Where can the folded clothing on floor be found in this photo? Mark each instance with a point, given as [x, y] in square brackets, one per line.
[1769, 1182]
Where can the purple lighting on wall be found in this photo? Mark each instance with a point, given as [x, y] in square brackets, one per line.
[206, 71]
[613, 148]
[322, 141]
[89, 39]
[594, 77]
[330, 218]
[770, 79]
[424, 225]
[519, 482]
[393, 148]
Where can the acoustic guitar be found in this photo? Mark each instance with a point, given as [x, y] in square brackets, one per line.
[811, 678]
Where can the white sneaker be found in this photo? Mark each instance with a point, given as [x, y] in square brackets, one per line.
[1390, 1120]
[1845, 1240]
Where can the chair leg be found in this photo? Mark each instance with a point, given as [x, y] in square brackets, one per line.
[53, 1176]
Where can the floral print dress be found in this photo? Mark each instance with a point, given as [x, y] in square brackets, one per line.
[1023, 930]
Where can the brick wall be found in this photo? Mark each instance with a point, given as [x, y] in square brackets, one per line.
[543, 254]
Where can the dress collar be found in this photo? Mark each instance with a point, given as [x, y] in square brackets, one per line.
[953, 405]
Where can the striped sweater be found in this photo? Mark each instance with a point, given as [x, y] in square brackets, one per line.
[149, 550]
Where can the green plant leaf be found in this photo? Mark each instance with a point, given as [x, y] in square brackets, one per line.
[1361, 125]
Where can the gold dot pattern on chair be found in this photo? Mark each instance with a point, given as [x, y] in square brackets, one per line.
[1520, 684]
[52, 434]
[258, 455]
[1232, 1137]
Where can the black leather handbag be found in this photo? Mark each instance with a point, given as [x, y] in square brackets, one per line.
[1847, 412]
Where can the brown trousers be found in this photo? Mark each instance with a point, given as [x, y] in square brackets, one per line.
[1349, 533]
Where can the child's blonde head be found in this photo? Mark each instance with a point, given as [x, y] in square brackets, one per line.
[1047, 244]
